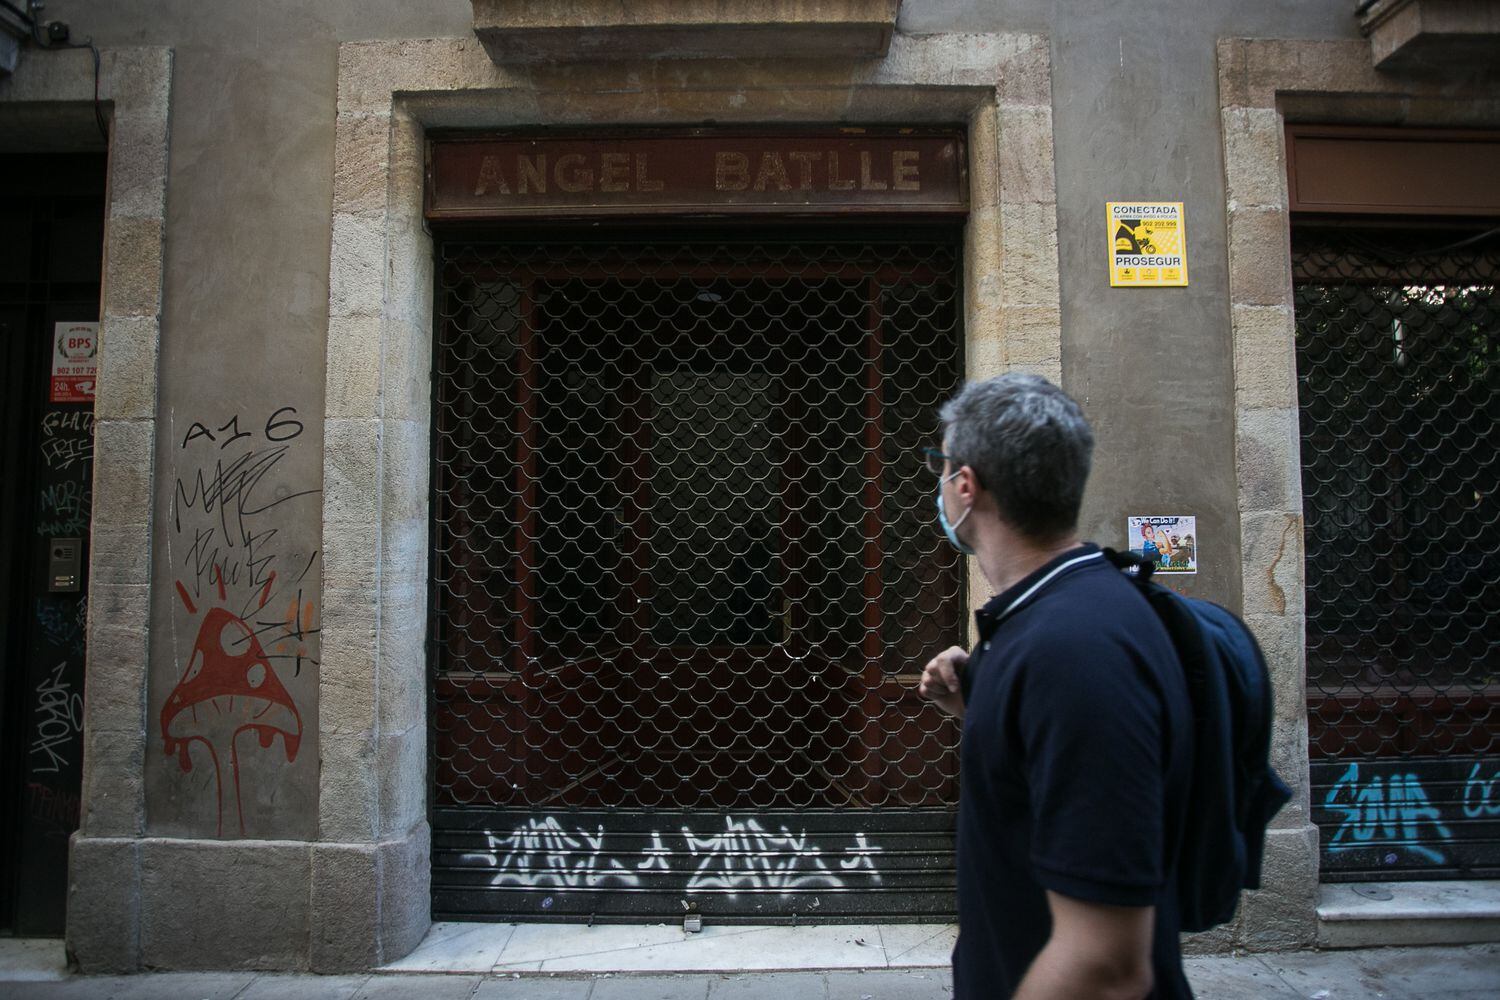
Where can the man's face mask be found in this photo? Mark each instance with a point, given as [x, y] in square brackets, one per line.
[951, 529]
[937, 462]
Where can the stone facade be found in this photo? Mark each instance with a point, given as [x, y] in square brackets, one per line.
[376, 468]
[105, 878]
[1263, 85]
[209, 310]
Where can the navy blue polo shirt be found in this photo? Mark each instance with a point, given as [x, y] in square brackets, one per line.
[1074, 765]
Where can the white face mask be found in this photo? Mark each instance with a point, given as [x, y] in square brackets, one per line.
[951, 530]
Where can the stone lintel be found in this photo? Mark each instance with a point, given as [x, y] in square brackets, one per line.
[1415, 35]
[536, 31]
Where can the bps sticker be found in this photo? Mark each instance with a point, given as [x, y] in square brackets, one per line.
[1148, 244]
[1170, 542]
[75, 362]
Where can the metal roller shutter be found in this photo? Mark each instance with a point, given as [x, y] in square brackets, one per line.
[1398, 365]
[685, 574]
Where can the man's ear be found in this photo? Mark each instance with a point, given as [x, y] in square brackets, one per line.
[968, 483]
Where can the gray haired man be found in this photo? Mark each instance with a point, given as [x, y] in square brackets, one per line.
[1076, 723]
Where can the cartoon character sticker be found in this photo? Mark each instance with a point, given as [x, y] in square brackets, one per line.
[1169, 541]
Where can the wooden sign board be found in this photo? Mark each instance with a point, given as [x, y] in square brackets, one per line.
[706, 172]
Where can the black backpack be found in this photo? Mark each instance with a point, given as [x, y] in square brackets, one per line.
[1233, 792]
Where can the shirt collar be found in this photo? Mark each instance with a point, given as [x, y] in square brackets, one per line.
[989, 617]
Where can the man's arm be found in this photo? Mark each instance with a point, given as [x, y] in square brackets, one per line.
[1096, 952]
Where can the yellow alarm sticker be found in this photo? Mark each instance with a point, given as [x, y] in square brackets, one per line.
[1147, 244]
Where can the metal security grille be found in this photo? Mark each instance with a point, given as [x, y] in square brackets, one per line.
[1398, 364]
[685, 574]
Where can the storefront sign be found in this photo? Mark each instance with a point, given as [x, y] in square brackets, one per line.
[1169, 541]
[75, 362]
[1148, 244]
[703, 172]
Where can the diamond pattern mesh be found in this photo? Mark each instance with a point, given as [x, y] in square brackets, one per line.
[684, 550]
[1398, 361]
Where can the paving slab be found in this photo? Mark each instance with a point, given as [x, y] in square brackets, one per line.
[463, 947]
[1244, 978]
[759, 986]
[155, 986]
[519, 987]
[651, 988]
[930, 984]
[586, 948]
[1391, 972]
[918, 944]
[1475, 967]
[273, 986]
[457, 947]
[1452, 972]
[406, 985]
[723, 949]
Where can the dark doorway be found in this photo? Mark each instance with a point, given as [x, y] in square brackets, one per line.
[52, 219]
[1398, 370]
[685, 574]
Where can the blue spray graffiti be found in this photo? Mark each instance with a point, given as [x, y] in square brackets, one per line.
[1395, 809]
[1482, 794]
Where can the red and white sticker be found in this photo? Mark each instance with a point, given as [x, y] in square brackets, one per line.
[75, 362]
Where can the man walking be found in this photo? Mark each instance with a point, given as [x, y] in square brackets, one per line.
[1076, 740]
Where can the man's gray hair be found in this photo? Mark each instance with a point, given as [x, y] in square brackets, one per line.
[1030, 446]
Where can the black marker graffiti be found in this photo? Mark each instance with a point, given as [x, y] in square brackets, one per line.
[242, 587]
[230, 490]
[236, 544]
[279, 427]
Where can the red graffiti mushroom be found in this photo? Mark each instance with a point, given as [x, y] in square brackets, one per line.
[228, 688]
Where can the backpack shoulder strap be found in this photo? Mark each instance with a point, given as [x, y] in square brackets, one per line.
[1132, 564]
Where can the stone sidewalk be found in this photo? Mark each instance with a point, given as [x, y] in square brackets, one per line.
[1457, 973]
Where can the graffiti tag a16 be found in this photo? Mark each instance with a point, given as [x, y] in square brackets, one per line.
[281, 425]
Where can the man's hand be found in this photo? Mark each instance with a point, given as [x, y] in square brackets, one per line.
[940, 684]
[1096, 952]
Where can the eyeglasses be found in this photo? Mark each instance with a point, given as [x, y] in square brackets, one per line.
[936, 461]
